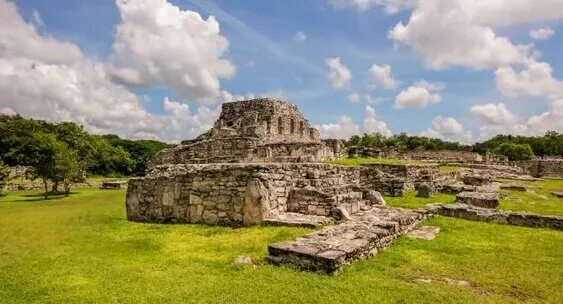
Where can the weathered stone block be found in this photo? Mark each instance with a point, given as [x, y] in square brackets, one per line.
[479, 199]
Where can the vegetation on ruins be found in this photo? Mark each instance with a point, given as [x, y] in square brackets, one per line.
[23, 140]
[83, 250]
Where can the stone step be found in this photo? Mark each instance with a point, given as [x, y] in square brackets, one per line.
[335, 246]
[293, 219]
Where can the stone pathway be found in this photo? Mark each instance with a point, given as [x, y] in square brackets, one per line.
[335, 246]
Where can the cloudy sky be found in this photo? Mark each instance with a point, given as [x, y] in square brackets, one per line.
[455, 69]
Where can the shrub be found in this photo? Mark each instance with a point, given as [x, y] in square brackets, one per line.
[516, 151]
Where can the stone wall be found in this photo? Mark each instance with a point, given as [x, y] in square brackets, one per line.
[438, 156]
[474, 213]
[395, 180]
[542, 167]
[228, 194]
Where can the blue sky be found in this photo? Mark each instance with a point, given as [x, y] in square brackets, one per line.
[269, 60]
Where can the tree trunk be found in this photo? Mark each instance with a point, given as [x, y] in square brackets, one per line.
[67, 188]
[55, 186]
[46, 188]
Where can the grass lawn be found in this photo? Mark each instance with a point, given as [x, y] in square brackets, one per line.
[81, 249]
[537, 200]
[409, 200]
[356, 161]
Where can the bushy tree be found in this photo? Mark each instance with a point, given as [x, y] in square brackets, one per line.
[55, 162]
[515, 151]
[4, 176]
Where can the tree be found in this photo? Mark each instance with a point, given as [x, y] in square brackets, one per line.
[4, 176]
[55, 162]
[515, 151]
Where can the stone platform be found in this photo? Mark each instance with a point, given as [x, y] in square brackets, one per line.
[475, 213]
[361, 236]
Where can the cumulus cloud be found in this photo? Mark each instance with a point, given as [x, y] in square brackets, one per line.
[300, 37]
[447, 128]
[339, 74]
[381, 75]
[419, 95]
[465, 34]
[44, 78]
[543, 33]
[536, 79]
[494, 114]
[503, 122]
[390, 6]
[346, 127]
[356, 98]
[373, 125]
[157, 43]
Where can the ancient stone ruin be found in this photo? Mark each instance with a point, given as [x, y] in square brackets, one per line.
[263, 164]
[258, 130]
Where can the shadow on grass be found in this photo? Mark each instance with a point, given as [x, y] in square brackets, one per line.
[40, 196]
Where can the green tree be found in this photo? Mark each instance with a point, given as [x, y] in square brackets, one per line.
[4, 176]
[515, 151]
[55, 162]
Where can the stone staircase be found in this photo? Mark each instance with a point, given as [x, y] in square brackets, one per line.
[361, 236]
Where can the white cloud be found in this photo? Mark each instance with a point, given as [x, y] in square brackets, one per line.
[345, 128]
[462, 32]
[44, 78]
[381, 75]
[354, 98]
[373, 125]
[300, 37]
[338, 74]
[447, 128]
[535, 80]
[390, 6]
[419, 95]
[494, 114]
[551, 120]
[157, 43]
[543, 33]
[37, 20]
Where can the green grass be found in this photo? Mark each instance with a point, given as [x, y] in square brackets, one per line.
[448, 169]
[409, 200]
[356, 161]
[537, 200]
[81, 249]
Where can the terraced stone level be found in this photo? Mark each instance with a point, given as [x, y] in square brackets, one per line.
[360, 237]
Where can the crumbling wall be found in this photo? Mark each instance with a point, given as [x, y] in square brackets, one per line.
[227, 194]
[439, 156]
[542, 167]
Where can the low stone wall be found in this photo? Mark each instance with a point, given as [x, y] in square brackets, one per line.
[542, 167]
[474, 213]
[228, 194]
[440, 156]
[395, 180]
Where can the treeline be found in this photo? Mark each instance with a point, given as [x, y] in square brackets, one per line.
[514, 147]
[64, 152]
[403, 142]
